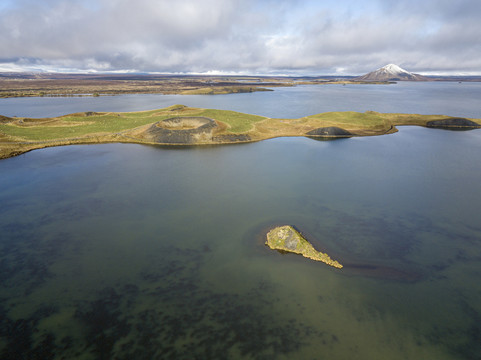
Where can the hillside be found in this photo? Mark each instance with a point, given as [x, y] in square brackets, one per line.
[391, 72]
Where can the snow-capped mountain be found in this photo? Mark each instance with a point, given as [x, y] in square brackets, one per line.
[391, 72]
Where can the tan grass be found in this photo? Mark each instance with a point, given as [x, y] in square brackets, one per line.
[24, 134]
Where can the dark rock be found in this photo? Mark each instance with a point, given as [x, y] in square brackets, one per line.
[291, 241]
[92, 113]
[4, 119]
[182, 130]
[391, 72]
[231, 138]
[331, 131]
[453, 123]
[84, 114]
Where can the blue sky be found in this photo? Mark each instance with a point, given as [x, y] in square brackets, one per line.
[289, 37]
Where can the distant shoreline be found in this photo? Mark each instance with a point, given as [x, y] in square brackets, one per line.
[73, 85]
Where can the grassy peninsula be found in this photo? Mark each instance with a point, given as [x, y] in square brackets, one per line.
[19, 134]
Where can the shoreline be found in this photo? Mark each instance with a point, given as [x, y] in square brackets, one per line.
[156, 127]
[73, 85]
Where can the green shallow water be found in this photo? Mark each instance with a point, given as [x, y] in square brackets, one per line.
[136, 252]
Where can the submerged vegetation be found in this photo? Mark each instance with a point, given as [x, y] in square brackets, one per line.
[18, 135]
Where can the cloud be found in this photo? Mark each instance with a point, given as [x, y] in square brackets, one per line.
[241, 36]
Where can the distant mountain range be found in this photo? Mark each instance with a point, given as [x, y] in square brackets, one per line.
[391, 72]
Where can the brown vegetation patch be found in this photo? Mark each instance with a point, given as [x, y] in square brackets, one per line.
[95, 85]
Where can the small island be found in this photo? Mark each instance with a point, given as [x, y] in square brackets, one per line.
[286, 238]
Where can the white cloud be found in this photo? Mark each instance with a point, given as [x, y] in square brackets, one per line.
[241, 35]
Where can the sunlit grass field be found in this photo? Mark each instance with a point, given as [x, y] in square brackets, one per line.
[81, 124]
[18, 135]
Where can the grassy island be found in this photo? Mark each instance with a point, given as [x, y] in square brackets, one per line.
[157, 127]
[286, 238]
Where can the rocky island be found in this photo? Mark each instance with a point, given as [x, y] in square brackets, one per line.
[287, 238]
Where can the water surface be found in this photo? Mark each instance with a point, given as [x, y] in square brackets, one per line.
[446, 98]
[136, 252]
[127, 251]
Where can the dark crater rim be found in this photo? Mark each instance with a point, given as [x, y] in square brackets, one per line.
[178, 123]
[453, 123]
[329, 132]
[185, 130]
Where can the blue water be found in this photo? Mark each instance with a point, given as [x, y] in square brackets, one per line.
[140, 252]
[446, 98]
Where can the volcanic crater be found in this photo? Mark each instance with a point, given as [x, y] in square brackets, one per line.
[182, 130]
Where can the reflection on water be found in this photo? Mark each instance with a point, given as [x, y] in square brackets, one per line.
[447, 98]
[129, 251]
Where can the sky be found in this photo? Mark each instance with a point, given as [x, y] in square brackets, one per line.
[248, 37]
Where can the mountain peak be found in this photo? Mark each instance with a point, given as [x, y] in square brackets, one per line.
[393, 68]
[391, 72]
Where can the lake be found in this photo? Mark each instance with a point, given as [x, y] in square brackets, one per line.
[428, 98]
[140, 252]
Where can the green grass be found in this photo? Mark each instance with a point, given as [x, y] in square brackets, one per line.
[82, 125]
[238, 122]
[109, 123]
[367, 119]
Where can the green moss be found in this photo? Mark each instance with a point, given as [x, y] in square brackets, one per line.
[286, 238]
